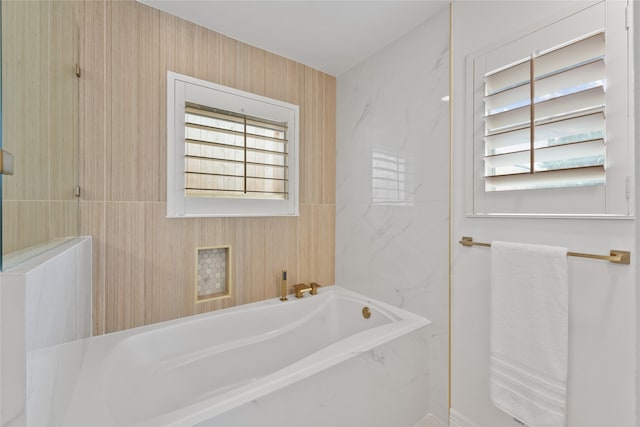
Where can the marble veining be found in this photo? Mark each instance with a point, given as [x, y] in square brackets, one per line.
[381, 387]
[46, 302]
[392, 202]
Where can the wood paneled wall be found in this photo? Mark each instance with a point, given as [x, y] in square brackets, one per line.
[144, 263]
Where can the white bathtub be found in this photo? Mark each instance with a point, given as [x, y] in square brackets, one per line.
[218, 368]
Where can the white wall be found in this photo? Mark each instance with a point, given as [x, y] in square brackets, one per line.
[602, 323]
[46, 301]
[396, 252]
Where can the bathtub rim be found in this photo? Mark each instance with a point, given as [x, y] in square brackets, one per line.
[312, 309]
[405, 323]
[272, 302]
[402, 323]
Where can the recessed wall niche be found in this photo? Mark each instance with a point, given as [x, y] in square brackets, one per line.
[213, 273]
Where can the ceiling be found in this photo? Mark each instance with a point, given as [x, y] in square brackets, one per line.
[331, 36]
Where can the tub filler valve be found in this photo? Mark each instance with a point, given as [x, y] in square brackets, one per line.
[301, 288]
[314, 288]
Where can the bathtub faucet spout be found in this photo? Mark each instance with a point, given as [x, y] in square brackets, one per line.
[301, 288]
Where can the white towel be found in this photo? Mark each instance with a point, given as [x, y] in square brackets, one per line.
[529, 332]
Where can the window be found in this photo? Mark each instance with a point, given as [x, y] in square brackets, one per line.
[544, 119]
[234, 155]
[230, 153]
[550, 119]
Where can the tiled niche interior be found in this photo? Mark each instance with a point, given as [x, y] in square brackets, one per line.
[213, 273]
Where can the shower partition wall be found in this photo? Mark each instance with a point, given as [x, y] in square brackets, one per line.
[40, 87]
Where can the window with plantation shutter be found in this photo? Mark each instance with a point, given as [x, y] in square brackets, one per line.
[545, 119]
[230, 153]
[234, 155]
[550, 127]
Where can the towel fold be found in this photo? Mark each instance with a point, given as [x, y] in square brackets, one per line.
[529, 332]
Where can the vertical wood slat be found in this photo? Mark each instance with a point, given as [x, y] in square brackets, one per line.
[254, 259]
[124, 266]
[167, 294]
[275, 76]
[311, 153]
[63, 101]
[325, 218]
[136, 81]
[24, 224]
[168, 61]
[294, 87]
[280, 254]
[93, 92]
[121, 59]
[306, 246]
[25, 42]
[229, 61]
[146, 272]
[329, 142]
[251, 72]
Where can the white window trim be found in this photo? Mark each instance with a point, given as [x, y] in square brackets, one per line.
[181, 89]
[618, 200]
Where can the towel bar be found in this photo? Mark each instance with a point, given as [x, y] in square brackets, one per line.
[615, 256]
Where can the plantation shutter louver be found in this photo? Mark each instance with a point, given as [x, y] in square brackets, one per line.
[231, 155]
[545, 119]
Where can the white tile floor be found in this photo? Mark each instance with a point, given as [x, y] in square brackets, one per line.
[430, 421]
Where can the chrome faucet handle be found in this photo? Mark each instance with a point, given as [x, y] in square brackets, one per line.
[314, 288]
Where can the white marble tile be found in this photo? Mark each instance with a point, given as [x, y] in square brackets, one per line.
[13, 356]
[389, 253]
[386, 386]
[52, 375]
[52, 302]
[390, 104]
[58, 297]
[45, 302]
[85, 290]
[393, 133]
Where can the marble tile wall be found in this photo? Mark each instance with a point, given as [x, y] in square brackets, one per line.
[46, 301]
[602, 298]
[392, 201]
